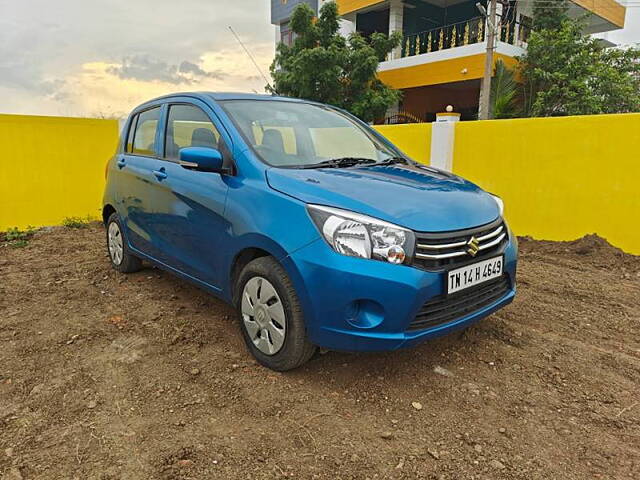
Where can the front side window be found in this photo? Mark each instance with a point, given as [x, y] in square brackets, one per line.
[297, 134]
[145, 137]
[188, 126]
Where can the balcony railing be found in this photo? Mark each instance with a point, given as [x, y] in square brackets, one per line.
[458, 34]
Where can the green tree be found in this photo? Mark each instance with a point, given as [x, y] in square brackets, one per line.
[324, 66]
[505, 93]
[567, 73]
[549, 14]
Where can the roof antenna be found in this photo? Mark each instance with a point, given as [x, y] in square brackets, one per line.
[251, 57]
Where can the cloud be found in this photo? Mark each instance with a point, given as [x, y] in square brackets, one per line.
[59, 58]
[191, 68]
[105, 89]
[150, 69]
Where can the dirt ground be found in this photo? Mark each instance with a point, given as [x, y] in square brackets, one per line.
[108, 376]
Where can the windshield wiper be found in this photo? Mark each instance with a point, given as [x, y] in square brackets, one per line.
[391, 161]
[342, 162]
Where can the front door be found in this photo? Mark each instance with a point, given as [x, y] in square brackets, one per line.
[188, 204]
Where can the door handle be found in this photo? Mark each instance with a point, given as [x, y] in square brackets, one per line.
[121, 163]
[160, 174]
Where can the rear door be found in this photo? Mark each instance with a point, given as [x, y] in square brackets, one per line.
[189, 205]
[136, 167]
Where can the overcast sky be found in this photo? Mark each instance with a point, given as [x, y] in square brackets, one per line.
[93, 57]
[99, 57]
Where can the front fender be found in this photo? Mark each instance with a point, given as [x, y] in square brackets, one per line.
[262, 218]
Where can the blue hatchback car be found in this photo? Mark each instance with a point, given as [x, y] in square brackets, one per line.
[315, 227]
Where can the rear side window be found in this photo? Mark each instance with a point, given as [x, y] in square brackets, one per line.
[145, 136]
[189, 126]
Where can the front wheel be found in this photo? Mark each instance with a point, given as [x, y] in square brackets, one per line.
[121, 259]
[271, 317]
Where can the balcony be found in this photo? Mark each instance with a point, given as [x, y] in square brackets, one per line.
[451, 53]
[460, 34]
[605, 15]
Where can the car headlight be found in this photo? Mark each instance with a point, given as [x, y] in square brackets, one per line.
[358, 235]
[499, 202]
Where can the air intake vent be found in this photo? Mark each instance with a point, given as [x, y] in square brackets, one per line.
[445, 309]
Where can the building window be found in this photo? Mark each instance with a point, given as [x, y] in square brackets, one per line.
[286, 34]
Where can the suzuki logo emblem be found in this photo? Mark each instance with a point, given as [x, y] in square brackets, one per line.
[473, 246]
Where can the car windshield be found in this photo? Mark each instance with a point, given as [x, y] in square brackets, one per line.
[305, 135]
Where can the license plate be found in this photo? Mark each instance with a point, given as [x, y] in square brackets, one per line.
[474, 274]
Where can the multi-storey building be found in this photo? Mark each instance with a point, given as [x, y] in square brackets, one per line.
[441, 58]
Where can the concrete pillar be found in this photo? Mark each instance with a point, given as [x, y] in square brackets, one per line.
[396, 17]
[443, 135]
[348, 24]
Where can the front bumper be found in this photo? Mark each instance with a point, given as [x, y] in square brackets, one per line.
[355, 304]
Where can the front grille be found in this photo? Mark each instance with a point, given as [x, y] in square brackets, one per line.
[436, 251]
[447, 308]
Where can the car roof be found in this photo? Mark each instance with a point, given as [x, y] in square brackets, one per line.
[220, 96]
[248, 96]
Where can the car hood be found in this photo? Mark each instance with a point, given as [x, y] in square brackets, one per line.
[417, 197]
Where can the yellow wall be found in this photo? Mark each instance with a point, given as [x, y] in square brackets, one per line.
[346, 6]
[414, 139]
[444, 71]
[560, 178]
[52, 168]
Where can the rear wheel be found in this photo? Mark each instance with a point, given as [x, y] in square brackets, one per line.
[121, 259]
[271, 318]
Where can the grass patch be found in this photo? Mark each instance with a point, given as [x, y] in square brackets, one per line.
[77, 222]
[14, 237]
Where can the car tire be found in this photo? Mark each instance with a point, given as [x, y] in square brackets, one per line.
[271, 317]
[121, 258]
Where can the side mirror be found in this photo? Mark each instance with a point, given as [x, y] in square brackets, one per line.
[201, 158]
